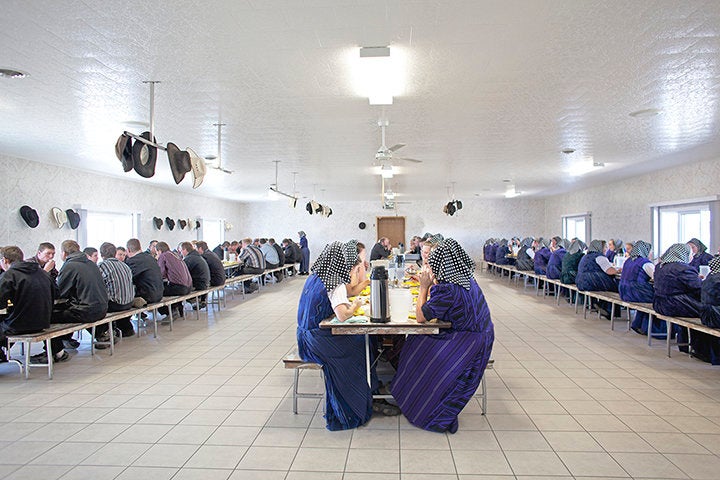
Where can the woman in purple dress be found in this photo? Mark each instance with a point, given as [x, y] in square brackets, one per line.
[438, 374]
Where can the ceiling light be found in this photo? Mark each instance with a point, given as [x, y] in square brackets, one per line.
[387, 171]
[377, 75]
[584, 167]
[506, 180]
[390, 195]
[12, 73]
[648, 112]
[568, 151]
[512, 192]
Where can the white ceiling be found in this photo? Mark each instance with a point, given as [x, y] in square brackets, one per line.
[495, 89]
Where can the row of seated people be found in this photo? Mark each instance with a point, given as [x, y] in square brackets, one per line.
[88, 289]
[261, 253]
[673, 284]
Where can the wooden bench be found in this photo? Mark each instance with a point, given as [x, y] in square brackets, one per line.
[483, 388]
[292, 360]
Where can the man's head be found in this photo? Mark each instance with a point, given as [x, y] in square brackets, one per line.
[225, 245]
[385, 242]
[107, 250]
[133, 247]
[271, 241]
[185, 248]
[120, 253]
[201, 247]
[246, 242]
[91, 253]
[263, 241]
[68, 247]
[162, 247]
[10, 255]
[45, 253]
[151, 246]
[256, 242]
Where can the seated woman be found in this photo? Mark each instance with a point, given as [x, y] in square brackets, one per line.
[348, 396]
[570, 262]
[596, 273]
[635, 286]
[525, 255]
[707, 346]
[628, 249]
[700, 254]
[358, 275]
[614, 247]
[542, 257]
[439, 374]
[677, 288]
[501, 256]
[554, 267]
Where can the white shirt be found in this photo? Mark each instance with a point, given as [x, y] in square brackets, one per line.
[649, 268]
[604, 263]
[338, 296]
[530, 253]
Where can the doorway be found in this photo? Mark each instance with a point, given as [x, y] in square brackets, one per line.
[392, 228]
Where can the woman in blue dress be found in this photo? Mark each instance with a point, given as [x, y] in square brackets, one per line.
[348, 396]
[305, 254]
[438, 374]
[700, 254]
[635, 286]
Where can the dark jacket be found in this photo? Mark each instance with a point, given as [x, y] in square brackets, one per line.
[635, 283]
[702, 259]
[554, 266]
[379, 252]
[540, 262]
[570, 263]
[199, 270]
[592, 278]
[292, 253]
[501, 255]
[81, 283]
[281, 254]
[219, 251]
[677, 290]
[524, 262]
[146, 277]
[32, 293]
[53, 273]
[217, 271]
[710, 298]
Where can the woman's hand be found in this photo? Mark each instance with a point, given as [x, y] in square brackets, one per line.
[426, 278]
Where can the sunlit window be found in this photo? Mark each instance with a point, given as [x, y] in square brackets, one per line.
[577, 226]
[115, 228]
[213, 231]
[680, 223]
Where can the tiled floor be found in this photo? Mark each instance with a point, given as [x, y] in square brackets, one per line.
[568, 398]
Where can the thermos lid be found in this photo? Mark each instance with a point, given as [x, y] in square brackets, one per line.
[379, 273]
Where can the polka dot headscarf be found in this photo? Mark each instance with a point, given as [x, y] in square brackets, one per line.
[714, 264]
[678, 252]
[335, 262]
[640, 249]
[596, 246]
[576, 246]
[451, 264]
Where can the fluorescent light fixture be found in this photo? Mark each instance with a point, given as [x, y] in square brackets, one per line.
[390, 195]
[386, 171]
[584, 167]
[378, 75]
[511, 192]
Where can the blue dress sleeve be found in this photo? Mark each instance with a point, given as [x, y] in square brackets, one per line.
[440, 302]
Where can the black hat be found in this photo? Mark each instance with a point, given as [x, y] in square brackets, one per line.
[123, 150]
[30, 216]
[144, 157]
[158, 222]
[170, 223]
[309, 208]
[179, 162]
[458, 204]
[73, 218]
[197, 224]
[450, 209]
[182, 223]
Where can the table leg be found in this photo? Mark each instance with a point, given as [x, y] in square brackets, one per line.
[367, 358]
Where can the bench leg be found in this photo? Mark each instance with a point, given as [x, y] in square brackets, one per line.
[483, 387]
[112, 338]
[92, 342]
[667, 339]
[295, 390]
[155, 322]
[170, 315]
[50, 358]
[649, 330]
[585, 302]
[26, 353]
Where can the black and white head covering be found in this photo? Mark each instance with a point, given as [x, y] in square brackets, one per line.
[564, 243]
[544, 242]
[527, 242]
[437, 238]
[596, 246]
[714, 264]
[640, 249]
[700, 245]
[335, 262]
[678, 252]
[503, 243]
[575, 247]
[451, 264]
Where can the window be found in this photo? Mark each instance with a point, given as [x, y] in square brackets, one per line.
[116, 228]
[577, 226]
[213, 231]
[679, 223]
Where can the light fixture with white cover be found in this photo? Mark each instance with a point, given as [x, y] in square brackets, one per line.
[583, 167]
[512, 192]
[387, 171]
[377, 75]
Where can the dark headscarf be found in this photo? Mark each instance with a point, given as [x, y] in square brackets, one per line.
[564, 243]
[451, 264]
[640, 249]
[503, 243]
[700, 245]
[527, 242]
[575, 247]
[677, 253]
[301, 234]
[335, 262]
[596, 246]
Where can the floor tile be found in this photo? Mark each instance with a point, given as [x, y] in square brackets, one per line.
[427, 462]
[320, 459]
[481, 462]
[535, 463]
[216, 457]
[591, 464]
[649, 465]
[373, 461]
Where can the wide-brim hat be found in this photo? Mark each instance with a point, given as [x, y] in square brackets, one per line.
[458, 204]
[144, 156]
[158, 222]
[30, 215]
[73, 218]
[309, 208]
[317, 208]
[197, 224]
[179, 162]
[59, 216]
[123, 150]
[182, 223]
[450, 209]
[325, 210]
[198, 168]
[170, 223]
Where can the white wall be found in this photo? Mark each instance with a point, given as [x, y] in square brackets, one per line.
[622, 209]
[478, 220]
[46, 186]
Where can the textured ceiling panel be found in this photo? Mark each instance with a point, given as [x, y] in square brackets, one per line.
[494, 90]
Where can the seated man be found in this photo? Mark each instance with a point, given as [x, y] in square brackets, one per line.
[251, 261]
[120, 253]
[381, 250]
[271, 256]
[31, 292]
[81, 283]
[217, 271]
[199, 270]
[92, 254]
[292, 253]
[281, 257]
[221, 249]
[151, 248]
[45, 257]
[120, 289]
[146, 272]
[176, 276]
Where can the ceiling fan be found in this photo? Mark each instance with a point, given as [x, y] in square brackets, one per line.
[384, 155]
[213, 161]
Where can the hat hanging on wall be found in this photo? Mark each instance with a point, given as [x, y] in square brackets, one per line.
[189, 223]
[30, 216]
[144, 156]
[73, 218]
[197, 224]
[170, 223]
[197, 164]
[182, 223]
[59, 216]
[158, 222]
[123, 150]
[179, 162]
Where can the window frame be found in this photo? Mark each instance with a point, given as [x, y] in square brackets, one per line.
[586, 216]
[83, 230]
[684, 207]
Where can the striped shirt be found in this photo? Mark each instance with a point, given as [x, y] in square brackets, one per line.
[252, 256]
[118, 281]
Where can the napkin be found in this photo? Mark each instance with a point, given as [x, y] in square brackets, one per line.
[358, 319]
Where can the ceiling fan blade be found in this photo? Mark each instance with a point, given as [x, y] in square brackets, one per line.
[396, 147]
[407, 159]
